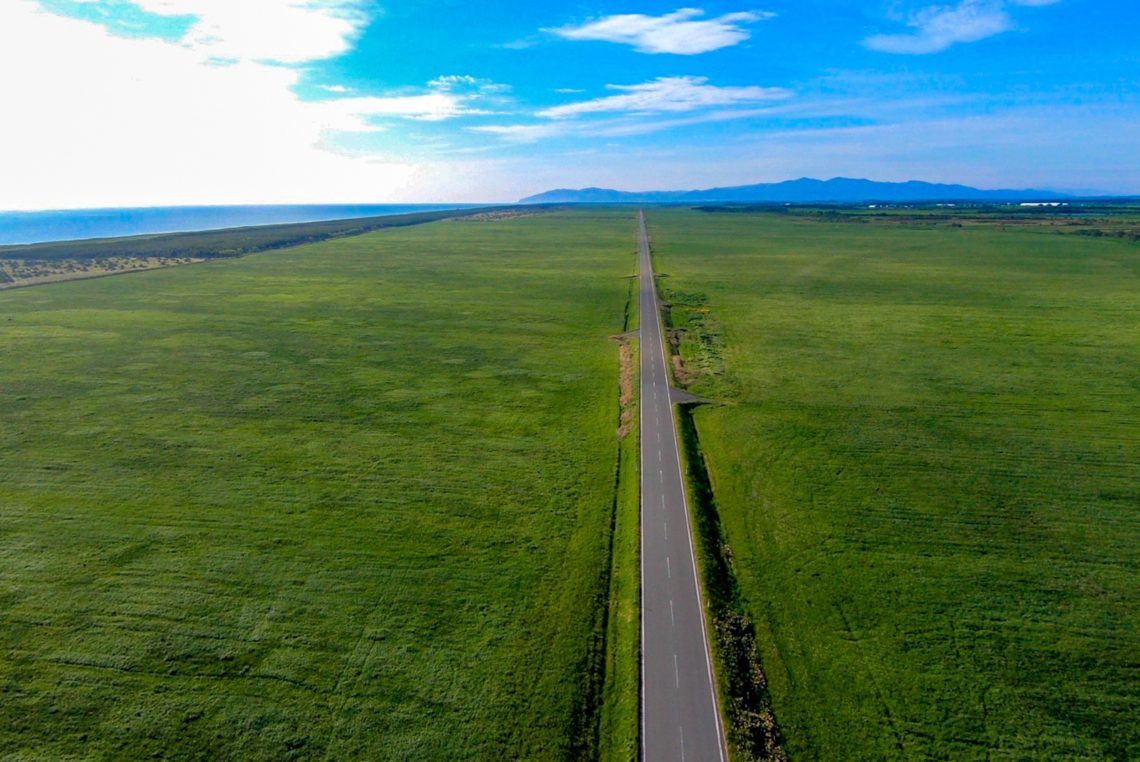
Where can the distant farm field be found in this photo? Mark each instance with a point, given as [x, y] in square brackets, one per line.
[927, 468]
[351, 500]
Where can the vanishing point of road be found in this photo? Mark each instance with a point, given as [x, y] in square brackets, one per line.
[680, 717]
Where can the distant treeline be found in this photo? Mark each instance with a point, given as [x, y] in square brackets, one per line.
[929, 210]
[1120, 220]
[215, 244]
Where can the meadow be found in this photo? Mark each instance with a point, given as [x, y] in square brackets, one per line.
[926, 465]
[353, 499]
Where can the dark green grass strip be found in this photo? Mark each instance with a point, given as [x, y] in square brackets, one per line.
[232, 242]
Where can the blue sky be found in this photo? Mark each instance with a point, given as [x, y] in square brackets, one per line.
[154, 102]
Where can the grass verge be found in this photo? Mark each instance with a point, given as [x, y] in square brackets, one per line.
[621, 707]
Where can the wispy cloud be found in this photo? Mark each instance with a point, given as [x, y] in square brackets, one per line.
[667, 95]
[682, 32]
[526, 133]
[616, 127]
[628, 128]
[451, 83]
[937, 27]
[662, 104]
[354, 114]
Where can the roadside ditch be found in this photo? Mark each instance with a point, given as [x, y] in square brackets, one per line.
[613, 703]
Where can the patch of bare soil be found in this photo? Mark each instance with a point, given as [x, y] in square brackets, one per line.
[17, 273]
[625, 352]
[497, 216]
[683, 375]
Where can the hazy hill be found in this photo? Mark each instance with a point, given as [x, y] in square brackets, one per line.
[804, 190]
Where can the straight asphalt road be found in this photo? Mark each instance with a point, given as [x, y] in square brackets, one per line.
[680, 717]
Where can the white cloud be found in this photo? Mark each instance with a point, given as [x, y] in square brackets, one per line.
[353, 113]
[620, 127]
[467, 83]
[682, 32]
[122, 121]
[667, 95]
[640, 109]
[526, 133]
[938, 27]
[286, 31]
[643, 127]
[453, 81]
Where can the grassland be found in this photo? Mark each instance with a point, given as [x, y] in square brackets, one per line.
[346, 500]
[926, 468]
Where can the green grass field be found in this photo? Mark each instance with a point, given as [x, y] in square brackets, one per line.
[348, 500]
[927, 469]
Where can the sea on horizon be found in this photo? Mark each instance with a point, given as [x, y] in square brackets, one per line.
[82, 224]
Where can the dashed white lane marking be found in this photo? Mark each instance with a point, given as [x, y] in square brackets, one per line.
[672, 620]
[682, 729]
[668, 567]
[666, 525]
[676, 671]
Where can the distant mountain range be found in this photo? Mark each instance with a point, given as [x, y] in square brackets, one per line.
[841, 190]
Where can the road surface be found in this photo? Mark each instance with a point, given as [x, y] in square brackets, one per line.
[680, 717]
